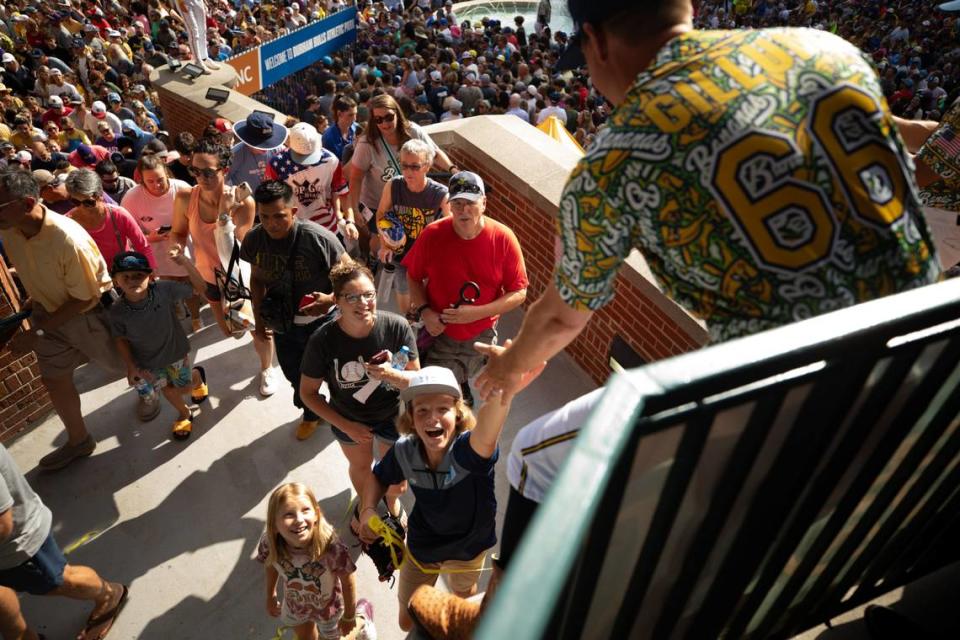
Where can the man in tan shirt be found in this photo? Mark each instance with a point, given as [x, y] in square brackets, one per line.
[64, 275]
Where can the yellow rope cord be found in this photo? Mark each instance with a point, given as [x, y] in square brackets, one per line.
[394, 542]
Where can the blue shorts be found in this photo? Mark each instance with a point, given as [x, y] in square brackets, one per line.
[385, 431]
[39, 575]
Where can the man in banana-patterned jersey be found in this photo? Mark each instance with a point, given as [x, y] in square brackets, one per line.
[761, 176]
[759, 172]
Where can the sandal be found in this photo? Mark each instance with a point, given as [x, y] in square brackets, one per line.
[182, 428]
[97, 628]
[200, 392]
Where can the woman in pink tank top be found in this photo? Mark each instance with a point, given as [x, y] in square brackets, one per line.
[195, 214]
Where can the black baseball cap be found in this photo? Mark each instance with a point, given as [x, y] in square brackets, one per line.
[130, 261]
[592, 11]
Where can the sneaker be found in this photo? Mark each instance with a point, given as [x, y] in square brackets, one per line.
[148, 407]
[443, 615]
[67, 454]
[366, 629]
[306, 428]
[269, 382]
[200, 392]
[210, 64]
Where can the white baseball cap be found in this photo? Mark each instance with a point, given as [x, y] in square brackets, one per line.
[431, 380]
[8, 57]
[55, 102]
[98, 109]
[305, 144]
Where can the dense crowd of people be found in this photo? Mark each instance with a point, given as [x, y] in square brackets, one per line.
[300, 231]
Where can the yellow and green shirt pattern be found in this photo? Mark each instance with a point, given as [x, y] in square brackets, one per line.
[761, 176]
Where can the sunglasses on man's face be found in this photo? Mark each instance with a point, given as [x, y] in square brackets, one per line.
[206, 173]
[412, 166]
[89, 202]
[387, 118]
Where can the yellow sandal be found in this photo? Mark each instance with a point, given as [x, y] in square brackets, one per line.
[200, 392]
[182, 428]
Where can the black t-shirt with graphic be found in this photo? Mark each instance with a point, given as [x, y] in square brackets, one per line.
[317, 252]
[338, 358]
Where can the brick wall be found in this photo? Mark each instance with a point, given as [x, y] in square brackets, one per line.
[182, 114]
[632, 314]
[23, 398]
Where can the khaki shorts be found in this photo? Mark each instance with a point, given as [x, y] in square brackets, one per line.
[466, 574]
[459, 355]
[84, 338]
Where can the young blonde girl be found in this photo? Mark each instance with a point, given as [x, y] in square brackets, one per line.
[301, 551]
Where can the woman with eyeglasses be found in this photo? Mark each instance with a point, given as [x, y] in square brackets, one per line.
[415, 201]
[361, 408]
[376, 160]
[151, 203]
[111, 226]
[195, 215]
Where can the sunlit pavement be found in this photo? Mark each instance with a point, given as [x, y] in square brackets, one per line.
[179, 521]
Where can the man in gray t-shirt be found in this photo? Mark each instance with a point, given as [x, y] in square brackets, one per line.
[31, 561]
[268, 248]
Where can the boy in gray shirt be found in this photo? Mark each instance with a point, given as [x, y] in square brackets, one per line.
[149, 337]
[31, 561]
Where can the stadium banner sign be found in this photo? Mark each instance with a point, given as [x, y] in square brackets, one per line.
[275, 60]
[247, 65]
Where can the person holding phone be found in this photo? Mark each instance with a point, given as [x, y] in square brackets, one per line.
[343, 354]
[282, 247]
[151, 204]
[195, 215]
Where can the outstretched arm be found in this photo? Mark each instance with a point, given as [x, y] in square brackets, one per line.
[493, 414]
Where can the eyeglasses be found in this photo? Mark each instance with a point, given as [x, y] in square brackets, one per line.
[412, 166]
[387, 118]
[206, 173]
[355, 298]
[89, 202]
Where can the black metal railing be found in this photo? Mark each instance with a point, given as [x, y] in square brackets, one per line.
[753, 489]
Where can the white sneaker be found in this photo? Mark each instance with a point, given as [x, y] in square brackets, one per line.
[269, 382]
[210, 64]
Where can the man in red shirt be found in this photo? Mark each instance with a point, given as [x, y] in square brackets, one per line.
[464, 272]
[56, 112]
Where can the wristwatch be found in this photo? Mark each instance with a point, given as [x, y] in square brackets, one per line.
[415, 315]
[39, 333]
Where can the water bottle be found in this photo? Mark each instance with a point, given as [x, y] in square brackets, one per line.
[400, 358]
[145, 390]
[385, 286]
[399, 362]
